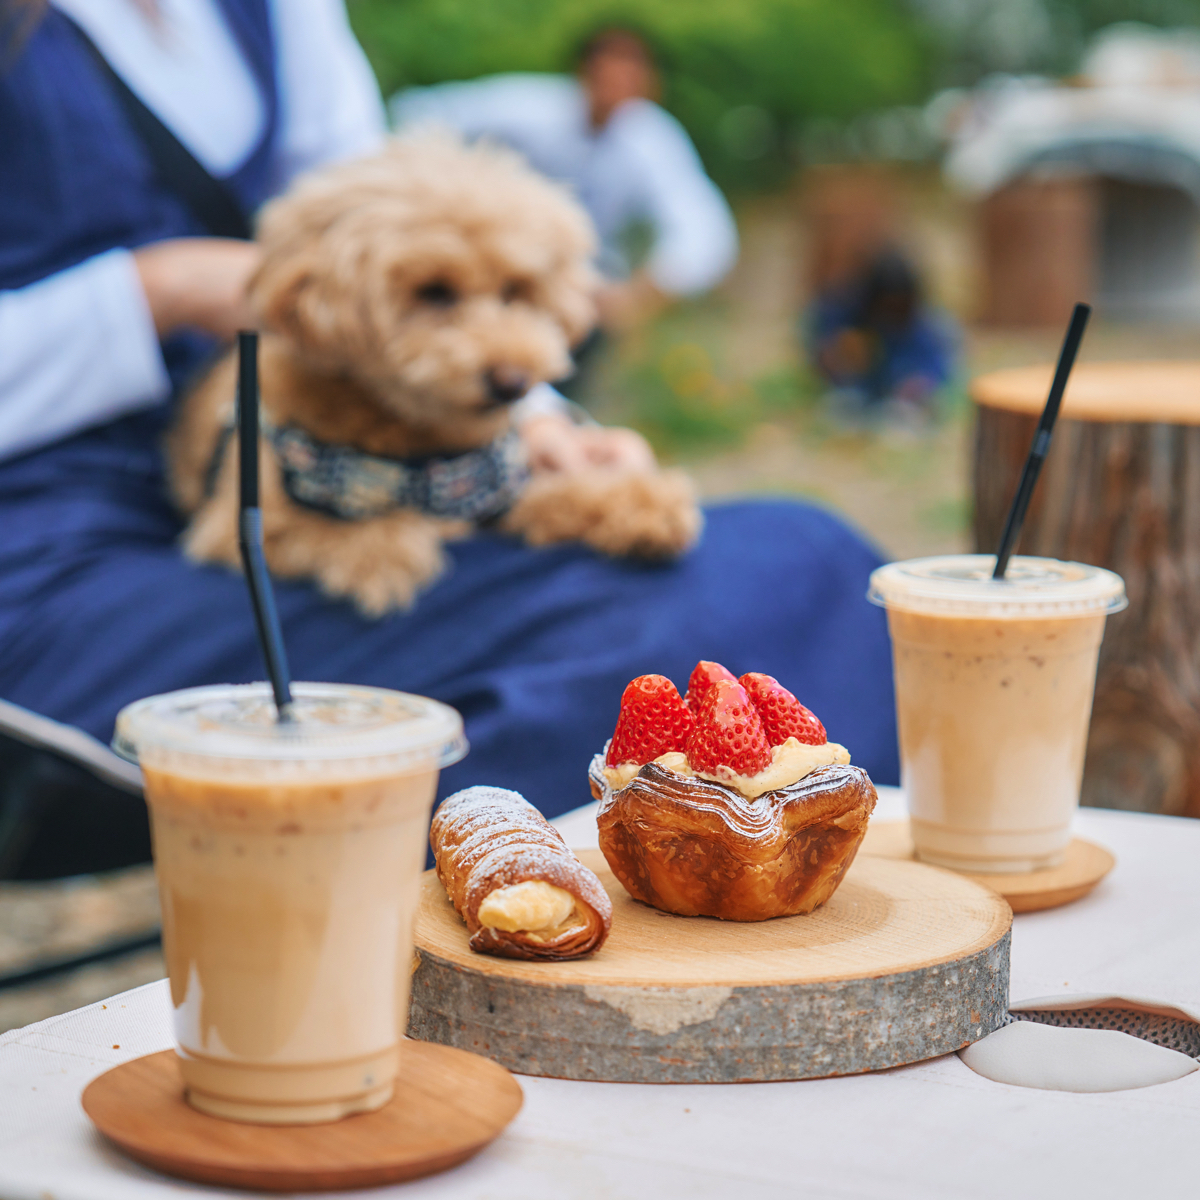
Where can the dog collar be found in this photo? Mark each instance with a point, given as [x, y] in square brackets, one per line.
[342, 482]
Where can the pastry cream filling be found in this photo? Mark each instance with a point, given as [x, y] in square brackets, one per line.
[622, 773]
[527, 907]
[790, 762]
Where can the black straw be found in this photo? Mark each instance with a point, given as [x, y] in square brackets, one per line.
[262, 597]
[1041, 438]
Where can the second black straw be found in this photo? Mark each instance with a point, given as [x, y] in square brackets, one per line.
[1041, 439]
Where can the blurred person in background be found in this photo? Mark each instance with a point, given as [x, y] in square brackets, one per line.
[883, 352]
[628, 161]
[138, 139]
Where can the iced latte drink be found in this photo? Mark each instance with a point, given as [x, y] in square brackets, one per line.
[288, 859]
[994, 684]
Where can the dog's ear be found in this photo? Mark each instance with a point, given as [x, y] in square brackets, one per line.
[296, 292]
[290, 299]
[276, 289]
[570, 296]
[570, 287]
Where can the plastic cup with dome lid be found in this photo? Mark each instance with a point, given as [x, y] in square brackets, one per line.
[994, 681]
[289, 856]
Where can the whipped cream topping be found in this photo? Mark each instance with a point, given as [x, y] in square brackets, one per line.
[790, 762]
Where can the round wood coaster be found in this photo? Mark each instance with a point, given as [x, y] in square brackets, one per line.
[448, 1105]
[904, 962]
[1083, 867]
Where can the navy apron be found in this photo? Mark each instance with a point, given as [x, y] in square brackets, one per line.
[533, 646]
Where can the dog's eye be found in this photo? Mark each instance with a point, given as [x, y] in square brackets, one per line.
[438, 293]
[515, 290]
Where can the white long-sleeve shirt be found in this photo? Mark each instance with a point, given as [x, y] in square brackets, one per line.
[79, 348]
[641, 166]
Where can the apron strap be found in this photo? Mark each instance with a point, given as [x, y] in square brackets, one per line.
[208, 199]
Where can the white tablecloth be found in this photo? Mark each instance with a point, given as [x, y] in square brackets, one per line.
[928, 1131]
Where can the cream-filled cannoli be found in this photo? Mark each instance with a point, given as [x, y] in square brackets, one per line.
[513, 880]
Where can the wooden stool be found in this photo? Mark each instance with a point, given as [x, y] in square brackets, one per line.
[1120, 489]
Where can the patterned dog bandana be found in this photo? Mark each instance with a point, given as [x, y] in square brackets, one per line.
[340, 481]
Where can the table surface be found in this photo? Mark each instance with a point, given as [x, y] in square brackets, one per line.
[927, 1131]
[1100, 391]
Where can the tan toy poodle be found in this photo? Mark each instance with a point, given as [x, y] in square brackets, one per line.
[408, 300]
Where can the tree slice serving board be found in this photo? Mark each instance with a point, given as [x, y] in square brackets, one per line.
[905, 962]
[1083, 866]
[447, 1107]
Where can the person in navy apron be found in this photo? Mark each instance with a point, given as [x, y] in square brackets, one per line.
[98, 607]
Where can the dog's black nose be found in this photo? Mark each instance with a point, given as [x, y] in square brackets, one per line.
[505, 385]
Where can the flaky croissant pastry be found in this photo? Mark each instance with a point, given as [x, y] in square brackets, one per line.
[699, 848]
[513, 880]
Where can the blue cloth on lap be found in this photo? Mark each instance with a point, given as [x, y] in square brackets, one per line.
[534, 646]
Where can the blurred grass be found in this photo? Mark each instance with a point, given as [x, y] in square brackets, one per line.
[673, 381]
[950, 515]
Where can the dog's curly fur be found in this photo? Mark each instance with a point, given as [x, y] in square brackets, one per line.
[407, 299]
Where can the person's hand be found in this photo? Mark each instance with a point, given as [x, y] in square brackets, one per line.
[628, 303]
[198, 282]
[916, 388]
[847, 355]
[555, 443]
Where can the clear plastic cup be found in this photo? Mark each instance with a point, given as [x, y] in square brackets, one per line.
[994, 685]
[288, 859]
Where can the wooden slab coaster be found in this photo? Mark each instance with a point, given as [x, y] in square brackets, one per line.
[904, 962]
[1083, 867]
[448, 1105]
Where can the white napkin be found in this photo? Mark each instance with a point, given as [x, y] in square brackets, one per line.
[1030, 1054]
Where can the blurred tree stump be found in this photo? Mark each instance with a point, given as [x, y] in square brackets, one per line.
[1120, 489]
[1038, 248]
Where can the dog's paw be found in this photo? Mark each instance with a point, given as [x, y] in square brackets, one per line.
[625, 514]
[382, 565]
[649, 516]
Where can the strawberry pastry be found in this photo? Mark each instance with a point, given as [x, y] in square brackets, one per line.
[727, 802]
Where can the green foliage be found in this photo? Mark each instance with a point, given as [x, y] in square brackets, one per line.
[977, 37]
[1091, 15]
[742, 75]
[1075, 21]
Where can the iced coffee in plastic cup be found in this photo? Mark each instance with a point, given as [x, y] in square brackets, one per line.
[288, 859]
[994, 684]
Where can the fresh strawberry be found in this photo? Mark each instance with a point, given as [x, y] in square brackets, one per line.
[728, 732]
[783, 716]
[653, 720]
[703, 677]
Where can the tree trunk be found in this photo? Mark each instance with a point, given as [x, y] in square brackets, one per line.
[1038, 241]
[1121, 494]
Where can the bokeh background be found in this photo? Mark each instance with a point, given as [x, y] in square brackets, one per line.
[796, 105]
